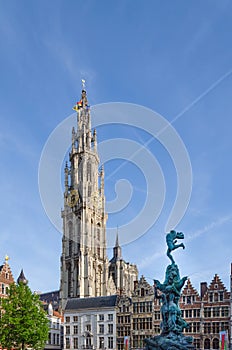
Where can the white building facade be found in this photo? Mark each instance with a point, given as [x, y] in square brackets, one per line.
[55, 335]
[90, 323]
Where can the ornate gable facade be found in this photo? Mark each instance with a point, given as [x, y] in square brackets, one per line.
[6, 278]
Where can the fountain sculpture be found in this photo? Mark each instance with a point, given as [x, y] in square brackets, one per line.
[172, 325]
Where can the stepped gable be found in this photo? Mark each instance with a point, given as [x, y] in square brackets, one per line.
[189, 292]
[216, 285]
[6, 275]
[143, 284]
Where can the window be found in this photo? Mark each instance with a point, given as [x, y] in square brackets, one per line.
[156, 328]
[101, 343]
[210, 298]
[101, 328]
[215, 327]
[221, 296]
[196, 343]
[75, 329]
[49, 338]
[88, 342]
[101, 317]
[215, 296]
[67, 343]
[88, 327]
[75, 318]
[196, 327]
[58, 339]
[216, 312]
[3, 289]
[224, 311]
[149, 306]
[157, 315]
[207, 344]
[110, 317]
[142, 307]
[196, 312]
[110, 328]
[75, 343]
[207, 328]
[188, 299]
[207, 312]
[110, 342]
[135, 307]
[54, 339]
[67, 319]
[215, 343]
[67, 328]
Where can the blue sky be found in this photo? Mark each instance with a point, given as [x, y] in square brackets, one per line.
[173, 57]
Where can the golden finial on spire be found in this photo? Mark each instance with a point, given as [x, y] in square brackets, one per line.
[83, 103]
[6, 259]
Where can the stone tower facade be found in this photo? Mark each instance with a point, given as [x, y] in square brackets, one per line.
[122, 274]
[84, 264]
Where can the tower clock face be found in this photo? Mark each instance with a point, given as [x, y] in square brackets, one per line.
[72, 198]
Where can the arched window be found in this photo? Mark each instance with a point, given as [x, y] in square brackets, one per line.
[215, 343]
[70, 235]
[207, 343]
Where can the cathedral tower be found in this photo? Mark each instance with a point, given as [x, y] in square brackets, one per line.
[84, 262]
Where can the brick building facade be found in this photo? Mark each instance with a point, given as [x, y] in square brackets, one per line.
[6, 278]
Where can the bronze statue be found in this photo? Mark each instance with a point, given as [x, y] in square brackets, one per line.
[171, 239]
[172, 325]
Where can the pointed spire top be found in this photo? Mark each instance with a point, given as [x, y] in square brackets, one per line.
[22, 279]
[83, 84]
[117, 241]
[6, 259]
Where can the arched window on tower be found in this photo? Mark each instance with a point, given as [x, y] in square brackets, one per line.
[70, 236]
